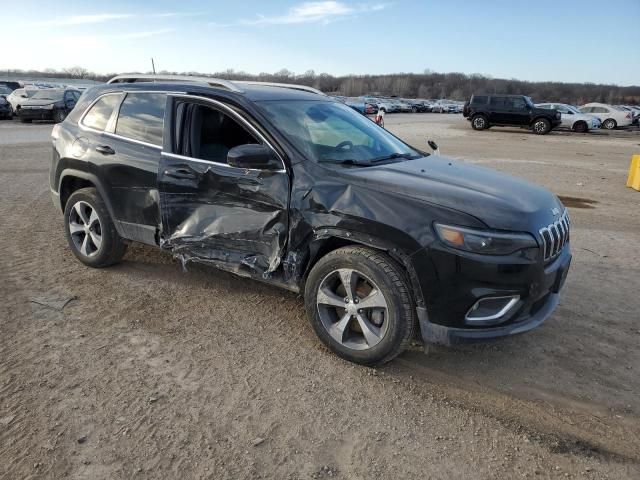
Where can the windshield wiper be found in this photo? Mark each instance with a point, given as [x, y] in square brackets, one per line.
[394, 156]
[347, 161]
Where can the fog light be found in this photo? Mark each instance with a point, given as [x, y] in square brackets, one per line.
[491, 310]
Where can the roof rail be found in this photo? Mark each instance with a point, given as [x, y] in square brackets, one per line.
[292, 86]
[208, 81]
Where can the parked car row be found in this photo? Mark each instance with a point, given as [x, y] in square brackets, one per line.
[32, 103]
[486, 111]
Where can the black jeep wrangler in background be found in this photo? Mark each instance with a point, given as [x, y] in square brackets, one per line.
[484, 111]
[285, 185]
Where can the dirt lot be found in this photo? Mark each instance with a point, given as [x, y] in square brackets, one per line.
[150, 372]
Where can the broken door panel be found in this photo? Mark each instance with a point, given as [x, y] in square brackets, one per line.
[231, 217]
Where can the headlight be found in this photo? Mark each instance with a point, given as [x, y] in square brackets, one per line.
[484, 241]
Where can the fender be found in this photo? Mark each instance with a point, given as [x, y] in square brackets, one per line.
[71, 172]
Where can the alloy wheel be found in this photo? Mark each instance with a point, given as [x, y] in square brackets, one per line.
[478, 122]
[352, 309]
[85, 229]
[540, 127]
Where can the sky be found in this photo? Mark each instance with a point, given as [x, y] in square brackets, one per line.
[561, 40]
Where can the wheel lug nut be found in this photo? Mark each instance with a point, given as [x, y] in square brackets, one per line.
[356, 300]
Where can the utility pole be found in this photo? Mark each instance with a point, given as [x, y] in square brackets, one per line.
[153, 66]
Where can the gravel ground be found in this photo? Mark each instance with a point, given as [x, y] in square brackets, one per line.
[145, 371]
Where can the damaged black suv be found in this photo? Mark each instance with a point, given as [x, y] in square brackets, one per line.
[283, 184]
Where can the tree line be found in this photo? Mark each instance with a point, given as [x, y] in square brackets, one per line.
[428, 85]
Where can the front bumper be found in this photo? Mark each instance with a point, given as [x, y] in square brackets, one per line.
[537, 286]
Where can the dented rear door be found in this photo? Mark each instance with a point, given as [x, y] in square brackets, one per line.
[236, 219]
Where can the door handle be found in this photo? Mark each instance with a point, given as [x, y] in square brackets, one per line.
[180, 173]
[105, 150]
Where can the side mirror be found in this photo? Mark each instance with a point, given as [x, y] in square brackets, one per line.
[253, 156]
[434, 146]
[24, 96]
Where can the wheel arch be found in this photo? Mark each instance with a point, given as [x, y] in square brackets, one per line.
[540, 117]
[328, 240]
[72, 180]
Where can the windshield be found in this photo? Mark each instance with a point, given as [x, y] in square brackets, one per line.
[571, 108]
[529, 102]
[48, 95]
[333, 132]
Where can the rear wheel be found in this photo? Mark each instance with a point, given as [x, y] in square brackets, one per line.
[414, 109]
[359, 304]
[541, 126]
[609, 124]
[90, 231]
[581, 127]
[479, 122]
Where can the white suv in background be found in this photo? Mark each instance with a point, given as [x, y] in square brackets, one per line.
[610, 116]
[18, 96]
[572, 118]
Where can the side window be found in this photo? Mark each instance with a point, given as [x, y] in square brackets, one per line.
[518, 103]
[98, 116]
[498, 102]
[479, 100]
[141, 117]
[208, 133]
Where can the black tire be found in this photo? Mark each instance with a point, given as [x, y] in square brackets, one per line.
[26, 120]
[479, 122]
[390, 279]
[580, 127]
[541, 126]
[609, 124]
[112, 248]
[59, 116]
[414, 109]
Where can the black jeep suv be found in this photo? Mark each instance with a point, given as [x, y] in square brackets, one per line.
[288, 186]
[484, 111]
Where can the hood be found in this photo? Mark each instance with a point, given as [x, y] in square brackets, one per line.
[38, 102]
[499, 200]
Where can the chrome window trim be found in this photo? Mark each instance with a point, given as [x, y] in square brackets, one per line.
[133, 140]
[238, 118]
[218, 164]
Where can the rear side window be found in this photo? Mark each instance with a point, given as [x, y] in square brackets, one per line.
[98, 116]
[479, 100]
[498, 101]
[142, 117]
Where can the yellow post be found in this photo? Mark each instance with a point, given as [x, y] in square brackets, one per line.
[634, 173]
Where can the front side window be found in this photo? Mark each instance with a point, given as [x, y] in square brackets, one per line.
[141, 117]
[98, 116]
[207, 133]
[332, 132]
[518, 103]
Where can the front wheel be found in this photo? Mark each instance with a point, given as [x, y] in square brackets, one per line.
[90, 231]
[609, 124]
[479, 122]
[581, 127]
[541, 126]
[359, 305]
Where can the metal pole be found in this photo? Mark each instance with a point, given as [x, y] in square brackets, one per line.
[153, 66]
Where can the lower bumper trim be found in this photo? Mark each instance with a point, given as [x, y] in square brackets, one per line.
[442, 335]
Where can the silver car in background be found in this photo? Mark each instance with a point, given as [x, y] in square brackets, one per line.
[572, 118]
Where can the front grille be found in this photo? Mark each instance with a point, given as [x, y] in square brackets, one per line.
[555, 236]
